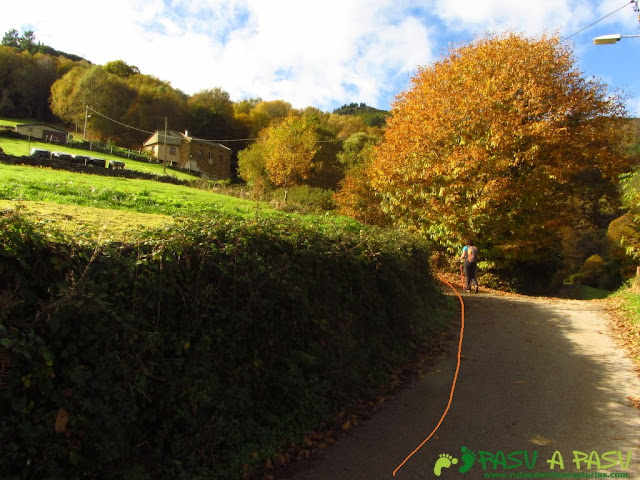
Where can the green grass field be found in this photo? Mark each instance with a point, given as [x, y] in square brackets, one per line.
[21, 182]
[114, 206]
[12, 122]
[73, 201]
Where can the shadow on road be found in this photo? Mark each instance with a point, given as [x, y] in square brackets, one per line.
[538, 375]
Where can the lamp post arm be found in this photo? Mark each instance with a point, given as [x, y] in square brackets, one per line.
[608, 39]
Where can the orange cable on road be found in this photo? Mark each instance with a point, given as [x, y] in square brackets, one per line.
[453, 385]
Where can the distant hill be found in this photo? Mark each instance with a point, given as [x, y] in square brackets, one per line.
[47, 50]
[371, 116]
[27, 41]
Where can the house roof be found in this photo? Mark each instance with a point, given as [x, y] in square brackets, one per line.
[208, 142]
[173, 138]
[50, 127]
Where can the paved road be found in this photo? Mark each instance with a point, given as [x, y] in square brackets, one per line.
[538, 375]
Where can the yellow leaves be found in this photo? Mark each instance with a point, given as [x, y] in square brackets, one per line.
[62, 419]
[289, 149]
[503, 118]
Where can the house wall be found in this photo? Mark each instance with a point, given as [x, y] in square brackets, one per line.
[173, 153]
[43, 132]
[157, 143]
[212, 160]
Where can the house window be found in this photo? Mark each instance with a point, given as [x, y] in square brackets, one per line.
[172, 150]
[210, 155]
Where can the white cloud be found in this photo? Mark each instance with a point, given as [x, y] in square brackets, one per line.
[532, 18]
[617, 13]
[331, 51]
[633, 106]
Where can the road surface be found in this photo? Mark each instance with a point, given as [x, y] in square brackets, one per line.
[542, 391]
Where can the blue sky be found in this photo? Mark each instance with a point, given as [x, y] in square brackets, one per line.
[319, 53]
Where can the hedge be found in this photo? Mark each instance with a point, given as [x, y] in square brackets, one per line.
[199, 350]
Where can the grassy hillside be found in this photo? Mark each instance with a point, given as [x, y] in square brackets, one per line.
[19, 182]
[90, 223]
[12, 122]
[105, 206]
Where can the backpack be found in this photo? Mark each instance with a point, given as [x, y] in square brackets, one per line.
[472, 253]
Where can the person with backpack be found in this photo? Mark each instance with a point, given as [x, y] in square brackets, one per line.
[470, 258]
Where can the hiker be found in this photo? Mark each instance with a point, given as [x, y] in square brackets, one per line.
[470, 258]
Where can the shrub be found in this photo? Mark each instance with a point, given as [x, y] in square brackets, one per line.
[184, 353]
[11, 134]
[592, 270]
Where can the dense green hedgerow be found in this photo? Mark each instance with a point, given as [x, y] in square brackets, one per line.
[180, 355]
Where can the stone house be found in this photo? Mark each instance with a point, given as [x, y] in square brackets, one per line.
[211, 159]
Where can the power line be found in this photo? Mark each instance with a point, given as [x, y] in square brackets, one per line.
[598, 21]
[203, 139]
[119, 123]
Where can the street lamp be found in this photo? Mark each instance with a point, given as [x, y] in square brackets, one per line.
[608, 39]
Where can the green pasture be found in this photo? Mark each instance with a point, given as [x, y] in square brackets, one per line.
[19, 148]
[112, 206]
[12, 122]
[98, 224]
[21, 182]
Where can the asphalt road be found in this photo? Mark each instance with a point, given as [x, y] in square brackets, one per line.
[541, 380]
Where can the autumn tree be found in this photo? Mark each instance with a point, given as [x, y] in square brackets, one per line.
[252, 168]
[66, 101]
[496, 140]
[211, 114]
[283, 153]
[266, 113]
[156, 99]
[121, 69]
[25, 83]
[356, 197]
[106, 93]
[290, 147]
[116, 91]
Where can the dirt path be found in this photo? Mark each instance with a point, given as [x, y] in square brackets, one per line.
[538, 375]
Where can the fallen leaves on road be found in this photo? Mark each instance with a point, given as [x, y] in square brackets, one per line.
[540, 440]
[626, 330]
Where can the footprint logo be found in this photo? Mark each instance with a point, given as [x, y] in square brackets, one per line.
[468, 459]
[445, 461]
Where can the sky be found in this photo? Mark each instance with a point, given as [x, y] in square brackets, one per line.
[320, 53]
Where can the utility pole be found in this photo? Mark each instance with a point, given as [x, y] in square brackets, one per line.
[164, 155]
[86, 114]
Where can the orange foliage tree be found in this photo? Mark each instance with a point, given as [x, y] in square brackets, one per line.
[356, 198]
[492, 141]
